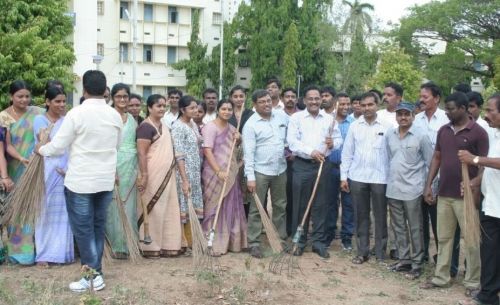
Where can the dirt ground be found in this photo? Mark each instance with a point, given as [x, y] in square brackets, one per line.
[243, 281]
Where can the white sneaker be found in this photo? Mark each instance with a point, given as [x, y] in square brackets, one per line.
[84, 284]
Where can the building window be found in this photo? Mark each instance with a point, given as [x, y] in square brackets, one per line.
[123, 7]
[123, 52]
[100, 8]
[216, 18]
[148, 12]
[148, 53]
[100, 49]
[146, 91]
[172, 14]
[171, 55]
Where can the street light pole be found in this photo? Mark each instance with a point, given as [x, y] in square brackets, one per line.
[134, 47]
[221, 65]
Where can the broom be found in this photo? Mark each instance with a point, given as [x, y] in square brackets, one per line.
[26, 201]
[199, 244]
[272, 235]
[472, 230]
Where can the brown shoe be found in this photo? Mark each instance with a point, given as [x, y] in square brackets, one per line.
[255, 252]
[430, 285]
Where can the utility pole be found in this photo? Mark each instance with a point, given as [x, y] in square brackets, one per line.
[221, 65]
[134, 47]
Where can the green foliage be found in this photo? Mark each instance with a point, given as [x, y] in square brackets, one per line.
[33, 44]
[196, 66]
[468, 27]
[396, 66]
[359, 20]
[290, 56]
[496, 78]
[231, 44]
[442, 69]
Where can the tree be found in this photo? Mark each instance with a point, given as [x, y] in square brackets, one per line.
[290, 56]
[33, 44]
[197, 65]
[397, 66]
[231, 44]
[359, 20]
[469, 27]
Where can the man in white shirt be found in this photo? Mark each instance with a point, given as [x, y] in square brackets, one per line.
[327, 96]
[490, 214]
[312, 134]
[475, 104]
[365, 163]
[273, 86]
[210, 97]
[430, 120]
[173, 97]
[393, 95]
[92, 133]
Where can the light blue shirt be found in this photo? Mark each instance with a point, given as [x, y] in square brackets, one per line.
[364, 155]
[264, 145]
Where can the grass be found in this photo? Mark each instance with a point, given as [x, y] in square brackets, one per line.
[5, 294]
[210, 278]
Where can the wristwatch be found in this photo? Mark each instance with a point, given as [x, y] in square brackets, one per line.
[476, 160]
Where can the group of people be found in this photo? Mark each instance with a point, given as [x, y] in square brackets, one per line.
[389, 167]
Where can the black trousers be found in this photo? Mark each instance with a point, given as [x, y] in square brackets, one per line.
[429, 214]
[289, 198]
[490, 261]
[304, 176]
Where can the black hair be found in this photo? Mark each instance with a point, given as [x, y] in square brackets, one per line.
[54, 83]
[396, 87]
[433, 88]
[328, 89]
[311, 88]
[94, 82]
[136, 96]
[204, 106]
[51, 93]
[340, 94]
[174, 92]
[300, 103]
[368, 95]
[496, 97]
[288, 89]
[355, 98]
[82, 99]
[236, 88]
[119, 86]
[459, 98]
[462, 87]
[257, 94]
[222, 102]
[152, 100]
[475, 97]
[185, 101]
[209, 90]
[273, 80]
[377, 92]
[18, 85]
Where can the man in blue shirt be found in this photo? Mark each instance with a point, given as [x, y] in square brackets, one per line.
[265, 165]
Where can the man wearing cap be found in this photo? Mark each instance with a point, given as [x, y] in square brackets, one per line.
[410, 153]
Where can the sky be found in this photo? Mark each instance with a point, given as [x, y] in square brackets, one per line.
[392, 10]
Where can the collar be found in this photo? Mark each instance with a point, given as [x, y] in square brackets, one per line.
[362, 120]
[468, 126]
[95, 101]
[260, 118]
[321, 113]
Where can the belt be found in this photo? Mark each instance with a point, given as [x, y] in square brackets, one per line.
[313, 161]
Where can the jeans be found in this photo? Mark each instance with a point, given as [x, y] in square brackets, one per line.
[347, 221]
[87, 217]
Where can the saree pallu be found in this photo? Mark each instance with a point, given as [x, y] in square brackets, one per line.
[165, 216]
[231, 228]
[126, 189]
[53, 236]
[20, 245]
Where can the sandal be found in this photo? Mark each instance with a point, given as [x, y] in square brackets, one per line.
[44, 265]
[429, 285]
[471, 292]
[358, 260]
[413, 274]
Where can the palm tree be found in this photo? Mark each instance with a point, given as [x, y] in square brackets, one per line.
[358, 19]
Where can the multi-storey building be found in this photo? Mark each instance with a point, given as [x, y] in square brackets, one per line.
[103, 39]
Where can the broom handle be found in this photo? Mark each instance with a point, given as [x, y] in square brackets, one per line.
[146, 219]
[228, 167]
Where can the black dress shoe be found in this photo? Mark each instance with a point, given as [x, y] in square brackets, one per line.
[400, 267]
[298, 252]
[255, 252]
[393, 254]
[321, 252]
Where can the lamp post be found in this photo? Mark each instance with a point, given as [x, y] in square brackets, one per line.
[134, 44]
[221, 65]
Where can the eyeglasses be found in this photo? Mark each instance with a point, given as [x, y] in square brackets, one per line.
[119, 97]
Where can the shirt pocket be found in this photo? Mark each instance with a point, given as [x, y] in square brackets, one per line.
[411, 154]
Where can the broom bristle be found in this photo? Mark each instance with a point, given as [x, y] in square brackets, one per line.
[131, 238]
[26, 201]
[271, 233]
[472, 230]
[199, 243]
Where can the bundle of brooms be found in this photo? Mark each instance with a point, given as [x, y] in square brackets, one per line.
[26, 201]
[472, 230]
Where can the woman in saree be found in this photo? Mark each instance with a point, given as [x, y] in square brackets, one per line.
[231, 228]
[53, 236]
[18, 120]
[187, 141]
[125, 189]
[158, 188]
[6, 184]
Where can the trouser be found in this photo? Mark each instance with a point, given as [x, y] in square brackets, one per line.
[277, 185]
[429, 219]
[347, 221]
[304, 176]
[362, 193]
[406, 222]
[449, 212]
[87, 217]
[289, 197]
[455, 256]
[490, 263]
